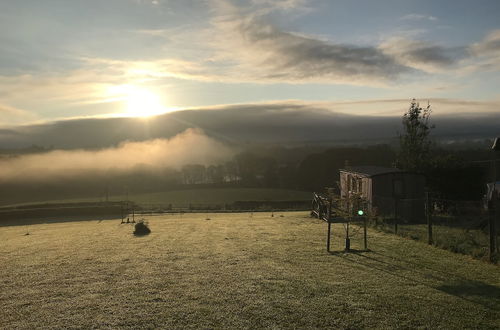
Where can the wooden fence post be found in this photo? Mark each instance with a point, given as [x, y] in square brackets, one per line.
[396, 215]
[492, 230]
[328, 237]
[329, 219]
[364, 234]
[428, 213]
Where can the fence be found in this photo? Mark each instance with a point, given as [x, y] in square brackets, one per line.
[466, 227]
[238, 206]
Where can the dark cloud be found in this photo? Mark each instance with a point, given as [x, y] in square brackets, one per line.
[435, 55]
[291, 56]
[287, 123]
[423, 55]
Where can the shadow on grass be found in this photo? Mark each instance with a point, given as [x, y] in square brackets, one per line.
[342, 252]
[473, 291]
[479, 292]
[55, 219]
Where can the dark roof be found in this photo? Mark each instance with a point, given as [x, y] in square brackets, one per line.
[371, 170]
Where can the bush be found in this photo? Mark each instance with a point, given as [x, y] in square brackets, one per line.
[141, 228]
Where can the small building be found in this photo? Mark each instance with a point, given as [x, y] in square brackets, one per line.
[387, 191]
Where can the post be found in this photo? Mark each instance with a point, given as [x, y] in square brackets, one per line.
[347, 239]
[492, 219]
[328, 237]
[364, 234]
[494, 214]
[396, 215]
[428, 213]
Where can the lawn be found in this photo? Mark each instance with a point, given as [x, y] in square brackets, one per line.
[235, 271]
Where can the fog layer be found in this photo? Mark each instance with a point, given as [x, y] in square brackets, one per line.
[189, 147]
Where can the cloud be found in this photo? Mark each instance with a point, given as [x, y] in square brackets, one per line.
[288, 6]
[286, 122]
[239, 45]
[423, 55]
[11, 115]
[260, 51]
[489, 45]
[418, 17]
[191, 146]
[264, 52]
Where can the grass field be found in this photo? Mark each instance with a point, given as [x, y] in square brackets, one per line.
[474, 242]
[235, 271]
[206, 196]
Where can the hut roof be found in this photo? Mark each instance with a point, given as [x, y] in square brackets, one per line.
[370, 171]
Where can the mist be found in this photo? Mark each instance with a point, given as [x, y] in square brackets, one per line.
[189, 147]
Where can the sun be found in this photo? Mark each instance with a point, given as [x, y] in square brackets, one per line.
[138, 101]
[141, 102]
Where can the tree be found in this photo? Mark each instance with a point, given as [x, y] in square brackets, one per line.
[415, 144]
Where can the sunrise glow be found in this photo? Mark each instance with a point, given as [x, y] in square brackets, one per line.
[138, 101]
[142, 102]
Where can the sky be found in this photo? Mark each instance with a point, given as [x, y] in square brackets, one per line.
[62, 59]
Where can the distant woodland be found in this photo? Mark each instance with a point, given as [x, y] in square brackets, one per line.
[457, 171]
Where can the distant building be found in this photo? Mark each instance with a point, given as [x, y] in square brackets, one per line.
[388, 191]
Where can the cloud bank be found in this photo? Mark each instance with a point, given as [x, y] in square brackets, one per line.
[190, 147]
[285, 122]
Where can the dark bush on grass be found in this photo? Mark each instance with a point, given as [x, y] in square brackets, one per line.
[141, 228]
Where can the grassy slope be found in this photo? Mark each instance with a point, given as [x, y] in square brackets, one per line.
[202, 196]
[235, 271]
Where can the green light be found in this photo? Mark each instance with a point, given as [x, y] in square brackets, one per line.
[360, 212]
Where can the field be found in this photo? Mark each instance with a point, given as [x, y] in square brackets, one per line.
[206, 196]
[235, 271]
[459, 239]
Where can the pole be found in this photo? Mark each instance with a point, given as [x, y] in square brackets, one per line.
[347, 239]
[328, 237]
[428, 214]
[329, 219]
[364, 234]
[494, 213]
[396, 215]
[492, 219]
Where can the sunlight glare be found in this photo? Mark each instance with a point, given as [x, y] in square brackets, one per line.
[139, 101]
[144, 103]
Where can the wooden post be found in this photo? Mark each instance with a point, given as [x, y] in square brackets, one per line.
[328, 237]
[329, 220]
[347, 239]
[492, 219]
[364, 234]
[396, 215]
[428, 213]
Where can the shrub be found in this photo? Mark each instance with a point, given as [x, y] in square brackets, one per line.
[141, 228]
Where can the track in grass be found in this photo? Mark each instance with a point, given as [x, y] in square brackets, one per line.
[235, 271]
